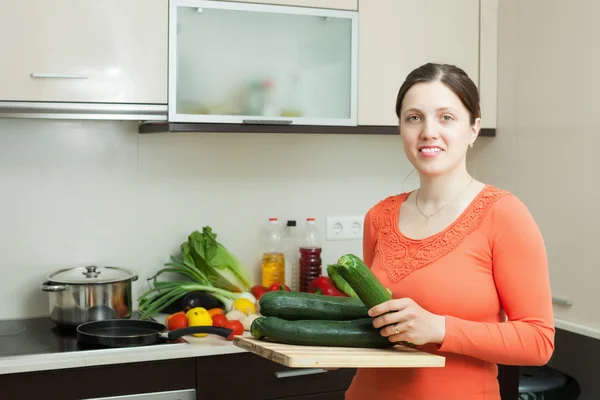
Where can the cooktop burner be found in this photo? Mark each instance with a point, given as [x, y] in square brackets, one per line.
[42, 336]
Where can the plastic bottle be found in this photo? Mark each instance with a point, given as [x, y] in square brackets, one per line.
[310, 254]
[273, 261]
[290, 239]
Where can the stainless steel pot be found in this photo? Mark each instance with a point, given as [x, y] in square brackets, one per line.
[83, 294]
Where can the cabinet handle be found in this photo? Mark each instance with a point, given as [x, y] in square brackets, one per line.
[267, 122]
[562, 302]
[58, 76]
[299, 372]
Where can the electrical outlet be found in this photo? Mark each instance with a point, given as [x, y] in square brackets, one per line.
[345, 228]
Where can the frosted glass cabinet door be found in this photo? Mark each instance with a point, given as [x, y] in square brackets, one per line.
[252, 63]
[333, 4]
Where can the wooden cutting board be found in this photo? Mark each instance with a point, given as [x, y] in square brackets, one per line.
[332, 357]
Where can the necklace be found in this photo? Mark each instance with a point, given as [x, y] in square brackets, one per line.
[427, 217]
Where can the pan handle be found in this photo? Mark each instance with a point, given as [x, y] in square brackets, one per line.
[215, 330]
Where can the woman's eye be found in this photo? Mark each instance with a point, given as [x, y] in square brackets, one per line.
[413, 118]
[447, 117]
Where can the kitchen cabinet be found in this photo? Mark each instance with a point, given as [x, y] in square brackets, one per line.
[255, 379]
[488, 64]
[397, 36]
[260, 379]
[238, 63]
[111, 51]
[333, 4]
[102, 381]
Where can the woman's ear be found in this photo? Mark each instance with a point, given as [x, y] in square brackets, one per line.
[475, 128]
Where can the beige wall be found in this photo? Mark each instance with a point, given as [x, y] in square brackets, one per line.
[545, 152]
[75, 193]
[548, 136]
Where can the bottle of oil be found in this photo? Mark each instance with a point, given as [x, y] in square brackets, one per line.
[273, 260]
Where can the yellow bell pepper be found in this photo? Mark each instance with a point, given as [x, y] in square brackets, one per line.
[198, 316]
[245, 306]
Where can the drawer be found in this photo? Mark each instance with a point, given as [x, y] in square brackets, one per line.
[341, 395]
[261, 379]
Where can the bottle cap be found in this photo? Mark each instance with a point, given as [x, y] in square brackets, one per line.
[272, 220]
[291, 222]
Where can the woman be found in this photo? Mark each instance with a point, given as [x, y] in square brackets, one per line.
[465, 261]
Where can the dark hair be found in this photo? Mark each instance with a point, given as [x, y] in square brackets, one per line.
[455, 78]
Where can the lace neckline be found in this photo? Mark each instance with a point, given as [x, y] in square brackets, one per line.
[402, 198]
[400, 255]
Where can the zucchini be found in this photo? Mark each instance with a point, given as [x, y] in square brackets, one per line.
[354, 333]
[362, 280]
[299, 305]
[339, 282]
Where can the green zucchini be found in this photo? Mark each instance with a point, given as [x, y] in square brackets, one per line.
[354, 333]
[340, 283]
[299, 305]
[362, 280]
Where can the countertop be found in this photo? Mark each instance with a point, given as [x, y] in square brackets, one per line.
[210, 345]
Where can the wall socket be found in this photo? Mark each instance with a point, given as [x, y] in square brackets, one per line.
[345, 228]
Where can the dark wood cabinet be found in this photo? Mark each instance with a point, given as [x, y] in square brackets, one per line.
[232, 376]
[260, 379]
[101, 381]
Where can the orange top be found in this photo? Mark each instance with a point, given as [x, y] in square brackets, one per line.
[492, 258]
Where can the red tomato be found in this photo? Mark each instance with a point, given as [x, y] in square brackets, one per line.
[177, 321]
[219, 320]
[278, 286]
[236, 326]
[258, 290]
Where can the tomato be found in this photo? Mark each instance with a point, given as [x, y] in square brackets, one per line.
[236, 327]
[219, 320]
[257, 291]
[177, 321]
[278, 286]
[171, 316]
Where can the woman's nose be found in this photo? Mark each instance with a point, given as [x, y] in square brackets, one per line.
[429, 130]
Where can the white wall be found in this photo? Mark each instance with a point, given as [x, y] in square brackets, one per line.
[92, 192]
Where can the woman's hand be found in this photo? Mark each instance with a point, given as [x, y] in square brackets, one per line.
[405, 320]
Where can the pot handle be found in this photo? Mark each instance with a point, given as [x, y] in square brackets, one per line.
[48, 287]
[134, 278]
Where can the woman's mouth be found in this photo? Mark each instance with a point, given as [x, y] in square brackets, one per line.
[430, 151]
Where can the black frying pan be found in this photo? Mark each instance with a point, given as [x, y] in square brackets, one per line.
[130, 333]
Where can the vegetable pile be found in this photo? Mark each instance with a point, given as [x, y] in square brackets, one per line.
[324, 317]
[205, 268]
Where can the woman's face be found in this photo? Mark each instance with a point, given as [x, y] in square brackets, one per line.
[435, 128]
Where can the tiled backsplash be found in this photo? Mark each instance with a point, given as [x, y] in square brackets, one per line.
[94, 192]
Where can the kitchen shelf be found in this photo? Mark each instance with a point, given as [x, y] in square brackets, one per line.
[162, 127]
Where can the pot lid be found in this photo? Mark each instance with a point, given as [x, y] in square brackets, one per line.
[91, 275]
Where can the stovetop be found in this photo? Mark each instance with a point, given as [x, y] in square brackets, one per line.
[42, 336]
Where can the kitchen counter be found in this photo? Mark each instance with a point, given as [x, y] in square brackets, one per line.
[210, 345]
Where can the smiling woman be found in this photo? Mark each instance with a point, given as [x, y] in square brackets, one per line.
[465, 261]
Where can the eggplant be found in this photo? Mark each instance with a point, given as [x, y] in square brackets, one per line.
[200, 299]
[194, 299]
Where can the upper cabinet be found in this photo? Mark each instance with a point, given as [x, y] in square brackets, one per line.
[397, 36]
[240, 63]
[351, 5]
[110, 51]
[488, 64]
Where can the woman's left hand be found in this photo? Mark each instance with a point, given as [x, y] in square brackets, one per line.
[404, 320]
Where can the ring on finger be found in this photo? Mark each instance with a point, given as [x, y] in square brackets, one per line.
[396, 330]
